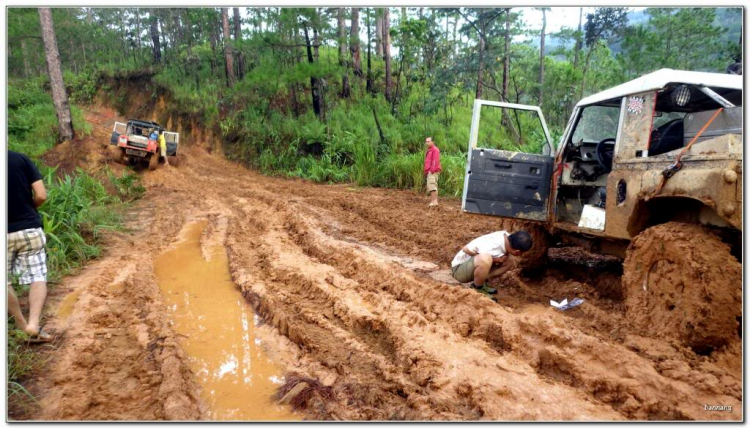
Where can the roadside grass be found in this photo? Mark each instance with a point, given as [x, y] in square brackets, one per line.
[80, 208]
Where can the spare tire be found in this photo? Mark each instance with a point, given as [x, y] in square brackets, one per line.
[681, 281]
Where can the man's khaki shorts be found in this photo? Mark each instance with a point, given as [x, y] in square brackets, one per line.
[27, 259]
[432, 179]
[464, 272]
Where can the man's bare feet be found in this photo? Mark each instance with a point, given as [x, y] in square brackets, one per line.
[31, 330]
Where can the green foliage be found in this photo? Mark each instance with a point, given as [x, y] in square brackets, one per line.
[685, 38]
[22, 360]
[32, 124]
[78, 209]
[266, 118]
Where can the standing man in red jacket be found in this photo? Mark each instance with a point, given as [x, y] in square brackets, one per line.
[432, 169]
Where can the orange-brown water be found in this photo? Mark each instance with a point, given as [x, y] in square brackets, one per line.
[216, 327]
[66, 306]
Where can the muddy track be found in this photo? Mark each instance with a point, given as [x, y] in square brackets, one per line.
[351, 283]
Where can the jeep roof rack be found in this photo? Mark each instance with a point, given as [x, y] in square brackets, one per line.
[145, 123]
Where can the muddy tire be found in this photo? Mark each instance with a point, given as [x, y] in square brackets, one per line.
[536, 257]
[153, 162]
[174, 160]
[681, 281]
[116, 154]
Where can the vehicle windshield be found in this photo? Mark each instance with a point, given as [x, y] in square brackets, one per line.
[596, 124]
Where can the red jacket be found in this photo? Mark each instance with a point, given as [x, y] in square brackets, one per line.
[432, 160]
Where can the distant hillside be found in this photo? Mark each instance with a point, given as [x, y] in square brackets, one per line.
[728, 18]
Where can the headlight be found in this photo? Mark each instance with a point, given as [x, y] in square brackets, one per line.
[681, 95]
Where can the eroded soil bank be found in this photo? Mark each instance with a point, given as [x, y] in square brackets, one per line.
[351, 283]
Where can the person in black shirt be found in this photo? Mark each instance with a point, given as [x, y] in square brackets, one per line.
[27, 259]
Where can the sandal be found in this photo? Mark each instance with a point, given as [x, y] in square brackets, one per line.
[41, 337]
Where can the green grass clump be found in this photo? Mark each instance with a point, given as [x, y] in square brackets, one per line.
[79, 207]
[32, 123]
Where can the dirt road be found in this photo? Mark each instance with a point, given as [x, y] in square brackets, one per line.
[352, 285]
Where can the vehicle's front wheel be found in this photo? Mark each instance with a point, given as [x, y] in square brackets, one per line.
[536, 257]
[681, 281]
[153, 162]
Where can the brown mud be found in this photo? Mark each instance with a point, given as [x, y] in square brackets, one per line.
[351, 285]
[682, 279]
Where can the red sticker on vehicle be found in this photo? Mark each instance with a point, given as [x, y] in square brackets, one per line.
[635, 105]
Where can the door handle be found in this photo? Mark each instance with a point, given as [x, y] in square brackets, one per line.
[534, 186]
[506, 166]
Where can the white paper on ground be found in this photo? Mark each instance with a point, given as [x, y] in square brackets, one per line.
[565, 305]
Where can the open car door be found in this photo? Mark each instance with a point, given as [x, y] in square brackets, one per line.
[118, 129]
[507, 183]
[173, 140]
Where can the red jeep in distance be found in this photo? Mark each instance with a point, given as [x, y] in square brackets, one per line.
[136, 144]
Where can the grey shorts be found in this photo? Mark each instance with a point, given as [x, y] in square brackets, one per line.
[464, 272]
[27, 260]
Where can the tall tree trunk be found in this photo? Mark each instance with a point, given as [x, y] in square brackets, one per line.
[455, 39]
[213, 38]
[228, 62]
[354, 43]
[541, 58]
[379, 32]
[576, 56]
[314, 83]
[585, 70]
[480, 71]
[155, 37]
[387, 54]
[72, 57]
[579, 41]
[138, 28]
[506, 62]
[370, 87]
[316, 45]
[238, 40]
[163, 37]
[59, 95]
[345, 91]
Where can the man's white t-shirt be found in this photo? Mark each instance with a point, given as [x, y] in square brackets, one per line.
[492, 243]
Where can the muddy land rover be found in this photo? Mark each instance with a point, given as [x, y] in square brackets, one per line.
[132, 143]
[650, 171]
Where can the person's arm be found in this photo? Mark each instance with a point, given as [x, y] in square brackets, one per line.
[500, 260]
[509, 264]
[40, 193]
[436, 162]
[469, 251]
[428, 162]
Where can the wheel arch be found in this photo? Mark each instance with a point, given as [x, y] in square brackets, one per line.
[680, 208]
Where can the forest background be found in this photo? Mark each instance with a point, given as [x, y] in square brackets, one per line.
[349, 94]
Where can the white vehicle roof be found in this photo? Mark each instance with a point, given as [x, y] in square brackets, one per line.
[661, 78]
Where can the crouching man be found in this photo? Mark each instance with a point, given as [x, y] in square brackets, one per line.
[488, 256]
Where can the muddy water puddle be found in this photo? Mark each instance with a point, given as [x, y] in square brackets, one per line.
[67, 304]
[217, 331]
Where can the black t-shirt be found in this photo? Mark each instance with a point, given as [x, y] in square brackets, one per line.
[21, 211]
